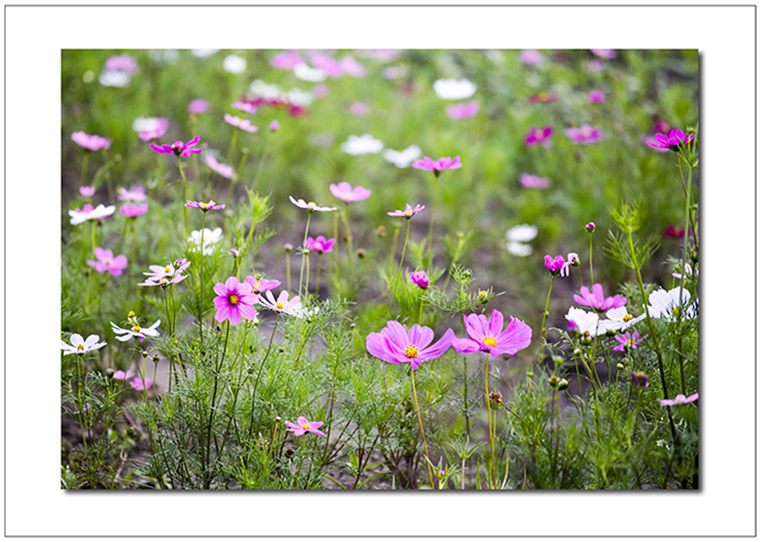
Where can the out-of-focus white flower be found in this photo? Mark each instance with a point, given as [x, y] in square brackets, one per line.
[164, 56]
[210, 238]
[261, 89]
[522, 233]
[454, 89]
[296, 96]
[519, 249]
[394, 72]
[203, 53]
[402, 159]
[234, 64]
[114, 79]
[306, 73]
[365, 144]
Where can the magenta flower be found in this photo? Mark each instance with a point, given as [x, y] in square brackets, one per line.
[673, 141]
[652, 142]
[531, 56]
[679, 400]
[596, 300]
[463, 111]
[320, 244]
[596, 97]
[197, 107]
[133, 211]
[311, 206]
[543, 98]
[489, 336]
[661, 126]
[178, 148]
[408, 212]
[436, 166]
[585, 135]
[234, 301]
[604, 53]
[87, 191]
[210, 206]
[105, 261]
[590, 227]
[554, 265]
[274, 126]
[628, 340]
[343, 191]
[243, 124]
[90, 142]
[639, 379]
[537, 136]
[286, 60]
[121, 63]
[420, 278]
[305, 426]
[260, 285]
[672, 231]
[222, 169]
[394, 345]
[534, 181]
[137, 193]
[140, 384]
[158, 129]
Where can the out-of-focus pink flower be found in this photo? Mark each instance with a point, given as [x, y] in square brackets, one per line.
[673, 141]
[463, 111]
[543, 98]
[320, 91]
[234, 301]
[310, 206]
[596, 96]
[136, 193]
[395, 345]
[489, 335]
[343, 191]
[604, 53]
[595, 299]
[105, 261]
[350, 66]
[436, 166]
[531, 56]
[245, 107]
[358, 109]
[320, 244]
[585, 135]
[534, 181]
[90, 142]
[554, 265]
[672, 231]
[304, 426]
[661, 126]
[211, 205]
[87, 191]
[286, 60]
[243, 124]
[133, 211]
[595, 65]
[197, 107]
[178, 148]
[536, 136]
[420, 278]
[122, 63]
[274, 126]
[260, 285]
[152, 128]
[679, 400]
[222, 169]
[326, 63]
[121, 375]
[141, 384]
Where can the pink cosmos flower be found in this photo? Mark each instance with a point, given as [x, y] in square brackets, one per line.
[121, 375]
[245, 107]
[105, 261]
[133, 211]
[90, 142]
[157, 130]
[531, 57]
[358, 109]
[534, 181]
[420, 278]
[320, 91]
[164, 275]
[137, 193]
[140, 384]
[639, 379]
[305, 426]
[274, 126]
[394, 345]
[222, 169]
[345, 192]
[350, 66]
[672, 231]
[243, 124]
[673, 141]
[197, 107]
[554, 265]
[585, 135]
[87, 191]
[408, 212]
[87, 212]
[178, 148]
[436, 166]
[320, 244]
[210, 206]
[679, 400]
[234, 301]
[536, 136]
[628, 340]
[121, 63]
[604, 53]
[311, 206]
[661, 126]
[543, 98]
[260, 285]
[326, 63]
[595, 65]
[595, 97]
[286, 60]
[463, 111]
[490, 336]
[595, 299]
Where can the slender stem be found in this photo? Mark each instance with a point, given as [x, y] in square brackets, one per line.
[432, 216]
[258, 375]
[591, 256]
[543, 323]
[319, 269]
[84, 168]
[422, 430]
[232, 146]
[304, 255]
[349, 239]
[287, 269]
[92, 235]
[392, 253]
[261, 163]
[419, 319]
[687, 193]
[184, 195]
[683, 277]
[207, 482]
[400, 264]
[490, 425]
[200, 292]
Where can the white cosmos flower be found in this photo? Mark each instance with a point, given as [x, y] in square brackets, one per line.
[81, 346]
[147, 124]
[135, 332]
[365, 144]
[296, 96]
[204, 53]
[621, 320]
[281, 304]
[522, 233]
[114, 79]
[306, 73]
[99, 212]
[666, 305]
[210, 237]
[402, 159]
[587, 322]
[454, 89]
[260, 89]
[234, 64]
[519, 249]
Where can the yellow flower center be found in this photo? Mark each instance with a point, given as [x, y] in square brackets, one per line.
[675, 311]
[280, 306]
[482, 294]
[348, 197]
[627, 318]
[312, 204]
[630, 342]
[490, 341]
[205, 205]
[131, 314]
[586, 334]
[80, 347]
[411, 352]
[136, 329]
[306, 426]
[234, 299]
[167, 269]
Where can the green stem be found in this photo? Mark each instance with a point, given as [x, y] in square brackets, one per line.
[490, 426]
[184, 195]
[422, 430]
[432, 218]
[304, 255]
[543, 323]
[258, 375]
[261, 163]
[400, 265]
[200, 292]
[319, 269]
[591, 256]
[207, 481]
[84, 168]
[287, 269]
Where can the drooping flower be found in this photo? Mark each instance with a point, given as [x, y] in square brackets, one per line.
[679, 400]
[133, 211]
[135, 332]
[595, 299]
[210, 206]
[150, 128]
[536, 136]
[178, 148]
[357, 145]
[402, 159]
[489, 335]
[674, 141]
[534, 181]
[436, 166]
[585, 135]
[136, 193]
[408, 212]
[140, 384]
[234, 300]
[243, 124]
[531, 56]
[628, 340]
[87, 191]
[310, 206]
[305, 426]
[554, 265]
[420, 278]
[210, 237]
[105, 261]
[454, 89]
[668, 304]
[222, 169]
[344, 191]
[197, 106]
[90, 142]
[463, 111]
[79, 345]
[87, 212]
[394, 345]
[595, 97]
[234, 64]
[572, 260]
[320, 244]
[281, 304]
[260, 285]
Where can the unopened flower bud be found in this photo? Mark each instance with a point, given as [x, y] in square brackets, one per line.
[529, 374]
[558, 360]
[496, 398]
[563, 384]
[483, 296]
[277, 419]
[131, 314]
[380, 231]
[156, 359]
[590, 227]
[288, 247]
[586, 339]
[577, 352]
[554, 381]
[361, 253]
[620, 366]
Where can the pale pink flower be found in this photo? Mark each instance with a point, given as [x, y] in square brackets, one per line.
[243, 124]
[197, 107]
[463, 111]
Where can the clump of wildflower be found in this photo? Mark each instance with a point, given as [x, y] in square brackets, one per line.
[79, 345]
[90, 142]
[105, 261]
[489, 335]
[395, 345]
[234, 300]
[305, 426]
